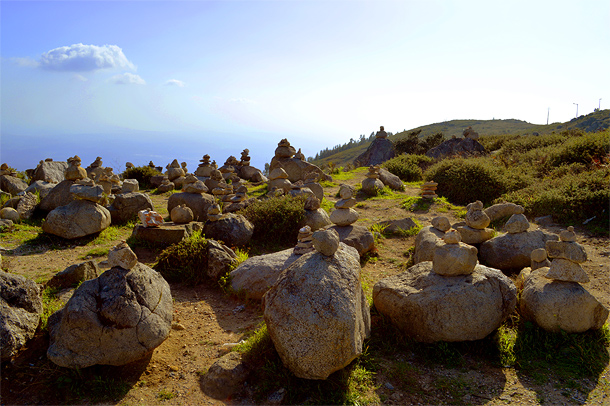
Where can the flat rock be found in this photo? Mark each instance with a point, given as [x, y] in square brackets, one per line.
[166, 234]
[94, 194]
[567, 271]
[474, 236]
[358, 237]
[572, 251]
[429, 307]
[556, 305]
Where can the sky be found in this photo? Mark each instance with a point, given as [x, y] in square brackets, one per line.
[156, 80]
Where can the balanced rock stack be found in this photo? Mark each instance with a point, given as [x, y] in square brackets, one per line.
[75, 171]
[245, 158]
[184, 168]
[553, 297]
[284, 149]
[205, 168]
[451, 298]
[475, 231]
[214, 212]
[371, 185]
[182, 214]
[224, 192]
[305, 241]
[175, 173]
[312, 182]
[193, 185]
[315, 217]
[381, 133]
[240, 194]
[470, 133]
[215, 180]
[166, 186]
[539, 259]
[278, 179]
[344, 215]
[239, 200]
[95, 169]
[567, 255]
[298, 188]
[228, 168]
[428, 190]
[5, 170]
[122, 256]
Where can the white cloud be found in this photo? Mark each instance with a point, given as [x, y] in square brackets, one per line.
[241, 100]
[82, 58]
[29, 62]
[80, 78]
[175, 82]
[127, 79]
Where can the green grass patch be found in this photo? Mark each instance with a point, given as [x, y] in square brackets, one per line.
[257, 191]
[50, 304]
[165, 395]
[327, 205]
[95, 253]
[343, 176]
[416, 203]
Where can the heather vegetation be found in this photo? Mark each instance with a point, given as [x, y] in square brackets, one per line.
[142, 174]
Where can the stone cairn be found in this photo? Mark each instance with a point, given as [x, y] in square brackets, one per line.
[284, 149]
[371, 185]
[470, 133]
[475, 231]
[428, 190]
[344, 214]
[381, 133]
[184, 168]
[5, 170]
[104, 180]
[75, 171]
[224, 192]
[240, 194]
[229, 171]
[539, 259]
[193, 185]
[299, 155]
[312, 182]
[182, 214]
[298, 188]
[305, 241]
[166, 185]
[95, 170]
[129, 165]
[567, 255]
[214, 213]
[454, 257]
[215, 180]
[245, 158]
[175, 173]
[205, 168]
[278, 180]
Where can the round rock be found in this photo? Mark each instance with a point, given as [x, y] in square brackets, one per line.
[326, 242]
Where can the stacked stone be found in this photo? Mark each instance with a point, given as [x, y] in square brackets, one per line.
[298, 188]
[129, 165]
[454, 257]
[567, 255]
[184, 168]
[305, 241]
[214, 212]
[182, 214]
[299, 155]
[539, 259]
[371, 185]
[166, 185]
[245, 158]
[84, 189]
[381, 133]
[470, 133]
[475, 231]
[5, 170]
[315, 216]
[240, 194]
[205, 168]
[344, 215]
[215, 180]
[122, 256]
[312, 182]
[284, 149]
[175, 173]
[95, 169]
[428, 190]
[115, 184]
[278, 179]
[228, 168]
[75, 171]
[193, 185]
[103, 179]
[223, 192]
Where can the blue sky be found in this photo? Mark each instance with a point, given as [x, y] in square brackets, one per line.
[201, 76]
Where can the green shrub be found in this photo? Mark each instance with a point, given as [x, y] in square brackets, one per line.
[463, 181]
[569, 198]
[495, 142]
[276, 220]
[408, 167]
[413, 144]
[142, 174]
[584, 150]
[186, 261]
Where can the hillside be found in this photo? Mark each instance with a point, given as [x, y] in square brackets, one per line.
[592, 122]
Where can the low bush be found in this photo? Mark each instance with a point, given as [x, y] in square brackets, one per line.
[495, 142]
[583, 150]
[186, 261]
[463, 181]
[413, 144]
[276, 220]
[569, 198]
[408, 167]
[142, 174]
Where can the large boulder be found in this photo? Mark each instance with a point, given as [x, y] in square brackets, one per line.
[20, 310]
[251, 173]
[317, 219]
[426, 241]
[512, 252]
[58, 196]
[166, 234]
[380, 150]
[198, 203]
[50, 171]
[77, 219]
[127, 205]
[43, 188]
[429, 307]
[317, 314]
[390, 180]
[463, 147]
[355, 236]
[296, 168]
[12, 184]
[559, 305]
[500, 210]
[115, 319]
[233, 229]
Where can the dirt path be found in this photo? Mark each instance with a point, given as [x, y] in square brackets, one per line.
[206, 320]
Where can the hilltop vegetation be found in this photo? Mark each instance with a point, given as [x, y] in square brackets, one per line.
[342, 155]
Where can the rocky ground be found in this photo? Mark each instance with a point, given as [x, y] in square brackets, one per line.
[206, 321]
